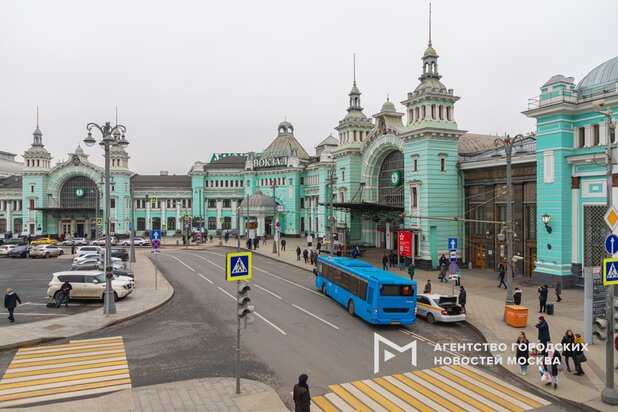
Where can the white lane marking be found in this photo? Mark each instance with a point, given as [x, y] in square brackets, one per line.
[354, 391]
[315, 316]
[387, 394]
[206, 279]
[256, 314]
[207, 260]
[288, 281]
[78, 363]
[338, 402]
[32, 303]
[224, 291]
[56, 374]
[415, 394]
[267, 291]
[430, 342]
[188, 267]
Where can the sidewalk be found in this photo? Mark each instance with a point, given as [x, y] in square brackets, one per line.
[485, 308]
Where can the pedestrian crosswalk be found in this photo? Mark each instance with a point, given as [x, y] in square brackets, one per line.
[78, 368]
[448, 388]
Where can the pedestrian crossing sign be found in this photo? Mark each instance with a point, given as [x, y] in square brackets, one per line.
[238, 266]
[610, 271]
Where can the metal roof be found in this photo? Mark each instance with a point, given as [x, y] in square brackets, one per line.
[601, 79]
[11, 182]
[227, 162]
[173, 181]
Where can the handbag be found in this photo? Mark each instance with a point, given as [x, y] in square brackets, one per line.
[580, 357]
[560, 367]
[545, 377]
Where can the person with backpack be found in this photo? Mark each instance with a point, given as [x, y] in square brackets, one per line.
[66, 289]
[542, 298]
[298, 253]
[10, 303]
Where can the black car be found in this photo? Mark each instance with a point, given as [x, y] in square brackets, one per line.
[20, 251]
[18, 241]
[120, 253]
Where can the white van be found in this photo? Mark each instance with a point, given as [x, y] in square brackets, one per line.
[88, 285]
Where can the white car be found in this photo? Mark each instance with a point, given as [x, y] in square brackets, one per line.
[45, 251]
[78, 241]
[439, 308]
[89, 249]
[5, 249]
[96, 257]
[88, 285]
[136, 242]
[101, 241]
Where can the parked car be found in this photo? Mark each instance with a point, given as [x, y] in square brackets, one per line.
[136, 242]
[439, 308]
[120, 253]
[101, 241]
[20, 251]
[44, 241]
[88, 285]
[5, 249]
[88, 249]
[96, 264]
[46, 251]
[87, 256]
[18, 241]
[96, 267]
[77, 241]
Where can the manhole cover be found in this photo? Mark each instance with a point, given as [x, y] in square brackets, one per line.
[53, 327]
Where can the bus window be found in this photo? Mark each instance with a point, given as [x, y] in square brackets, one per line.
[396, 290]
[362, 289]
[369, 294]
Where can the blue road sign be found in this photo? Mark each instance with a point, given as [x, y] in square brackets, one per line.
[453, 268]
[611, 244]
[156, 244]
[453, 243]
[238, 266]
[155, 235]
[453, 255]
[610, 271]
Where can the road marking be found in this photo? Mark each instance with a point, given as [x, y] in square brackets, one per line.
[256, 314]
[188, 267]
[206, 279]
[18, 314]
[267, 291]
[315, 316]
[325, 404]
[75, 369]
[288, 281]
[207, 260]
[224, 291]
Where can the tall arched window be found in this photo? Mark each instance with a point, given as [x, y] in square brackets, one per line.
[390, 180]
[171, 223]
[79, 192]
[141, 223]
[156, 223]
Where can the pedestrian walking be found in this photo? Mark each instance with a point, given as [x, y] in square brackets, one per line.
[616, 346]
[298, 253]
[578, 354]
[301, 395]
[264, 238]
[458, 278]
[256, 242]
[248, 243]
[542, 298]
[543, 336]
[384, 262]
[517, 296]
[568, 340]
[306, 255]
[402, 262]
[66, 289]
[283, 242]
[354, 252]
[442, 275]
[392, 259]
[10, 303]
[319, 247]
[558, 290]
[443, 261]
[501, 274]
[411, 271]
[311, 257]
[427, 288]
[523, 353]
[462, 298]
[552, 360]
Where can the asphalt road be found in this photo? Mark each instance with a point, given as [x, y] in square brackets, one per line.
[296, 330]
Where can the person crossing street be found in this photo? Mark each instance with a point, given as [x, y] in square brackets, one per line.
[10, 303]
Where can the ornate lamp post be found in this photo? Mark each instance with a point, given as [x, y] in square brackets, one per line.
[112, 136]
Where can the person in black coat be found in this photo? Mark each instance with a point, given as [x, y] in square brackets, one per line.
[523, 352]
[10, 303]
[301, 395]
[544, 337]
[568, 341]
[306, 255]
[298, 252]
[443, 261]
[384, 262]
[542, 298]
[462, 298]
[551, 366]
[517, 296]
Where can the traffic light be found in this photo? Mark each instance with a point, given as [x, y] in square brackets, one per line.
[245, 308]
[599, 328]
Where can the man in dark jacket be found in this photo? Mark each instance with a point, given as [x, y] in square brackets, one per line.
[462, 298]
[283, 242]
[384, 262]
[558, 290]
[443, 261]
[544, 337]
[542, 298]
[501, 274]
[301, 395]
[298, 252]
[66, 289]
[10, 302]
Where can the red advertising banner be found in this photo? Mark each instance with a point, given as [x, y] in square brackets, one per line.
[405, 243]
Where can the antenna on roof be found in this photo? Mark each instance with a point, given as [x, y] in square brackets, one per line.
[388, 98]
[116, 115]
[354, 66]
[37, 117]
[429, 23]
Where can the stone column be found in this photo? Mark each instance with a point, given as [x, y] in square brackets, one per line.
[178, 223]
[163, 218]
[9, 217]
[219, 207]
[234, 211]
[387, 236]
[148, 215]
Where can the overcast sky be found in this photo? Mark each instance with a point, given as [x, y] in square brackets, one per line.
[195, 77]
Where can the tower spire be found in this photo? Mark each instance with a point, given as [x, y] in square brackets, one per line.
[37, 117]
[354, 66]
[116, 115]
[429, 44]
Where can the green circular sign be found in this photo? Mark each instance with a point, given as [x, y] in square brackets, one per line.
[80, 192]
[395, 178]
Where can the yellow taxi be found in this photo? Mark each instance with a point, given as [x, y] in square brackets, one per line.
[44, 241]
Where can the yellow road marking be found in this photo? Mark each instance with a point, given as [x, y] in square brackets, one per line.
[67, 360]
[70, 345]
[452, 391]
[500, 388]
[377, 397]
[479, 390]
[349, 398]
[324, 404]
[409, 399]
[66, 352]
[4, 386]
[431, 395]
[64, 389]
[63, 369]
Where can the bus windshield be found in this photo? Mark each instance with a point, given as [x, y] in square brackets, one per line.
[396, 290]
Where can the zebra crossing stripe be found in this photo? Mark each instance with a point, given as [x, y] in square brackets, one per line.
[447, 388]
[445, 399]
[393, 389]
[324, 404]
[346, 396]
[377, 397]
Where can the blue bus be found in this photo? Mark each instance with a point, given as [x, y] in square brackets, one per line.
[374, 295]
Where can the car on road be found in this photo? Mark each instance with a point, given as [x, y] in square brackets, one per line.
[101, 241]
[45, 251]
[20, 251]
[5, 249]
[78, 241]
[136, 242]
[89, 249]
[94, 266]
[44, 241]
[119, 252]
[439, 308]
[88, 285]
[86, 256]
[18, 241]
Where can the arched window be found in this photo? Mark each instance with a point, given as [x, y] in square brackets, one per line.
[79, 192]
[390, 179]
[171, 223]
[156, 223]
[141, 223]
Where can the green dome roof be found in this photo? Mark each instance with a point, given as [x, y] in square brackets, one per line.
[602, 78]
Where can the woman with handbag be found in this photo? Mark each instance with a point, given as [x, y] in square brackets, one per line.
[568, 340]
[578, 354]
[552, 362]
[523, 353]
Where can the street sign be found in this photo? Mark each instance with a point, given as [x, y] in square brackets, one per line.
[238, 266]
[405, 243]
[610, 271]
[453, 243]
[453, 255]
[277, 224]
[156, 244]
[453, 268]
[611, 217]
[611, 244]
[155, 235]
[99, 221]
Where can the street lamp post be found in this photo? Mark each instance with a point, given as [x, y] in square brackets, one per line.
[507, 144]
[274, 218]
[112, 135]
[132, 226]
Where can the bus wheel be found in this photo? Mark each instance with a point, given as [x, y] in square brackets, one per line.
[324, 289]
[351, 307]
[431, 318]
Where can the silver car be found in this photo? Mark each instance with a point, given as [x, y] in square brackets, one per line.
[439, 308]
[45, 251]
